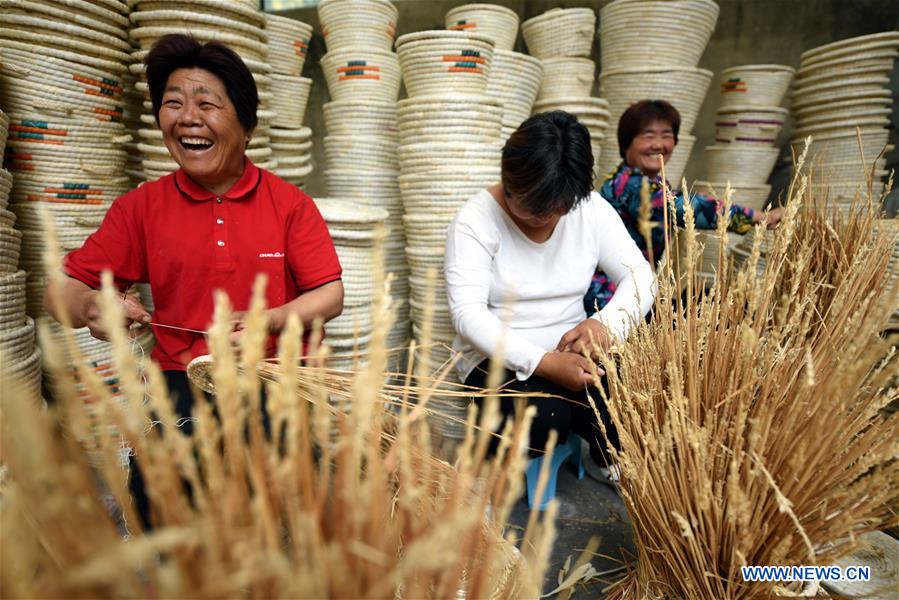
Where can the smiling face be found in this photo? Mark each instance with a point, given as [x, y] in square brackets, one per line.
[654, 139]
[201, 130]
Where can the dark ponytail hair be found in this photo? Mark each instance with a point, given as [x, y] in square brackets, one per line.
[548, 163]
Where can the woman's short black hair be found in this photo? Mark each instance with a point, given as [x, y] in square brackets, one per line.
[548, 163]
[178, 51]
[640, 114]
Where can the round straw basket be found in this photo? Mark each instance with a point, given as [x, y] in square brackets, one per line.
[837, 110]
[50, 22]
[877, 58]
[740, 164]
[749, 125]
[688, 25]
[749, 196]
[4, 129]
[567, 76]
[848, 75]
[849, 46]
[354, 74]
[755, 85]
[843, 125]
[37, 129]
[246, 12]
[496, 22]
[560, 32]
[246, 47]
[180, 19]
[18, 344]
[291, 96]
[857, 114]
[843, 96]
[372, 21]
[34, 43]
[684, 87]
[288, 44]
[839, 89]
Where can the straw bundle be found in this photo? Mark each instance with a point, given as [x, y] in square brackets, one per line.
[803, 350]
[515, 80]
[688, 25]
[362, 73]
[754, 85]
[560, 32]
[358, 24]
[740, 164]
[434, 61]
[841, 98]
[374, 466]
[288, 44]
[746, 124]
[498, 23]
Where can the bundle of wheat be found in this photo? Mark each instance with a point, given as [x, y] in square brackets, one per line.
[365, 511]
[749, 418]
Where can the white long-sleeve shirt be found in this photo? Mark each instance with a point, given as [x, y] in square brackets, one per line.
[504, 288]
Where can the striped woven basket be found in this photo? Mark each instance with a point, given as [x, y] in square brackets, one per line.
[749, 125]
[288, 44]
[435, 61]
[358, 23]
[755, 85]
[496, 22]
[354, 74]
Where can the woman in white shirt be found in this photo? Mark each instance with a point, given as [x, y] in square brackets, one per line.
[519, 258]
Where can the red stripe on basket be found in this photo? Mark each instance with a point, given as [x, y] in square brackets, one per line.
[463, 26]
[99, 84]
[461, 58]
[345, 77]
[18, 156]
[359, 68]
[29, 129]
[465, 70]
[761, 122]
[37, 141]
[722, 140]
[55, 200]
[300, 44]
[108, 112]
[13, 166]
[93, 192]
[725, 124]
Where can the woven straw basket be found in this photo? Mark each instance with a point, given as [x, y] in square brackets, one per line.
[849, 46]
[362, 74]
[359, 24]
[687, 27]
[288, 44]
[749, 125]
[755, 85]
[435, 61]
[740, 164]
[567, 76]
[496, 22]
[560, 32]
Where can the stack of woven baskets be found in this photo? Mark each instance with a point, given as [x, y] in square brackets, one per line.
[746, 133]
[514, 78]
[291, 143]
[20, 356]
[233, 23]
[562, 39]
[355, 231]
[363, 77]
[890, 229]
[61, 69]
[655, 66]
[840, 87]
[450, 146]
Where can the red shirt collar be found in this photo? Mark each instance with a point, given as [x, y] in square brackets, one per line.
[246, 184]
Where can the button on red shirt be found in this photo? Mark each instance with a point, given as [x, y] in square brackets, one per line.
[186, 243]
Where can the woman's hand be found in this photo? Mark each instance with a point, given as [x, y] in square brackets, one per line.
[568, 369]
[275, 317]
[588, 334]
[773, 216]
[134, 312]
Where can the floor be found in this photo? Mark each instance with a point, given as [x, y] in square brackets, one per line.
[586, 508]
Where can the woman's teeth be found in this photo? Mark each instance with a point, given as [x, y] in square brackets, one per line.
[195, 143]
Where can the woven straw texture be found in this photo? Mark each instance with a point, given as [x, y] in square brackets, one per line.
[755, 85]
[560, 32]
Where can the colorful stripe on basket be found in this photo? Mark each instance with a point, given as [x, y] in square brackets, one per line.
[107, 87]
[733, 85]
[467, 61]
[359, 69]
[301, 47]
[462, 24]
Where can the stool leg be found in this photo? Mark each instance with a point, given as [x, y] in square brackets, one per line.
[532, 474]
[575, 442]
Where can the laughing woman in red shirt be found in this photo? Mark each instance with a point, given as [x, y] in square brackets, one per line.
[213, 224]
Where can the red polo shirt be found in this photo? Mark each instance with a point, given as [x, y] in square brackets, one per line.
[186, 243]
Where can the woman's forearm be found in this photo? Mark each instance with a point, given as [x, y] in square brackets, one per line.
[325, 303]
[72, 296]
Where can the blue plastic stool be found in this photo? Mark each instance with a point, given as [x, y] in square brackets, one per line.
[572, 449]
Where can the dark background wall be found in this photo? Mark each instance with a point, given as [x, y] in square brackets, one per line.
[748, 32]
